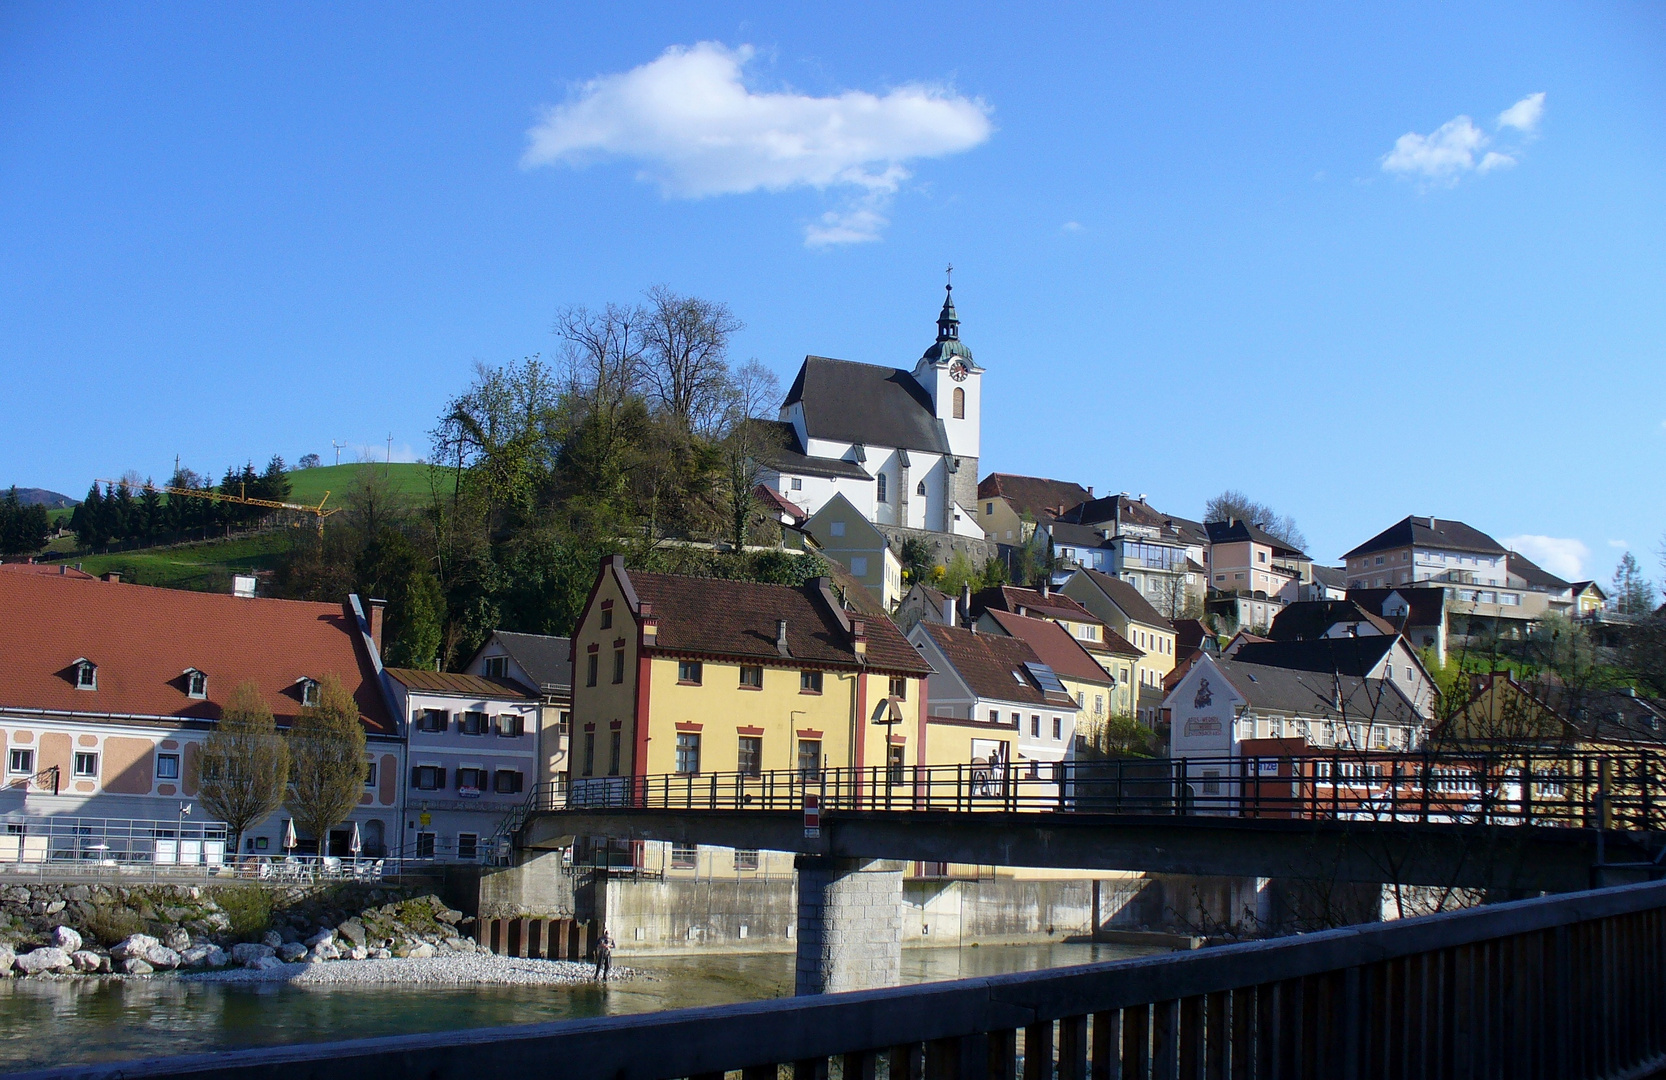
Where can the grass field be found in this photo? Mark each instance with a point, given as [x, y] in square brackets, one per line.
[206, 567]
[309, 485]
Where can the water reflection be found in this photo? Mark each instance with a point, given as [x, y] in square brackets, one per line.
[55, 1022]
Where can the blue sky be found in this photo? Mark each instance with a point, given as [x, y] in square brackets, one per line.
[1196, 247]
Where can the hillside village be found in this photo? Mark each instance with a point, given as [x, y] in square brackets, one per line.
[851, 585]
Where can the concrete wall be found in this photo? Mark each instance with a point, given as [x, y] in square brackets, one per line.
[850, 916]
[676, 915]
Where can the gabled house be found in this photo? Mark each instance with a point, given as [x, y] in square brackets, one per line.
[1011, 507]
[922, 603]
[1247, 561]
[543, 664]
[843, 534]
[1121, 607]
[1523, 573]
[1383, 657]
[1098, 694]
[1327, 583]
[993, 701]
[1588, 598]
[109, 689]
[1306, 620]
[1158, 554]
[1507, 713]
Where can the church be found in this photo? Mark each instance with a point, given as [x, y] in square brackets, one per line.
[901, 445]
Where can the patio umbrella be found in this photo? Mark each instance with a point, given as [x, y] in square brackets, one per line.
[354, 844]
[289, 841]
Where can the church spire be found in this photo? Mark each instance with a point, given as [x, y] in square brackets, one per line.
[948, 343]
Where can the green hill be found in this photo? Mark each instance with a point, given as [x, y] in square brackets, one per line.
[412, 480]
[205, 567]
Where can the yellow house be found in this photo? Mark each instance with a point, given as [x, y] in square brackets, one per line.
[1507, 713]
[682, 676]
[1121, 607]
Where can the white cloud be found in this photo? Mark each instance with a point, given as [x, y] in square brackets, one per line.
[696, 128]
[1071, 226]
[1525, 114]
[1618, 545]
[1458, 147]
[1562, 556]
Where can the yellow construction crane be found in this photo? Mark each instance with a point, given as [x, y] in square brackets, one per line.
[241, 498]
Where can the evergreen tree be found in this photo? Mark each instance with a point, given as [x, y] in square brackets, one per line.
[88, 520]
[23, 529]
[1633, 593]
[273, 483]
[150, 512]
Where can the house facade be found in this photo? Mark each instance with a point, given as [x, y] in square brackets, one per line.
[1094, 688]
[1120, 606]
[684, 676]
[900, 445]
[542, 664]
[110, 690]
[1160, 555]
[472, 752]
[842, 533]
[1246, 560]
[1011, 507]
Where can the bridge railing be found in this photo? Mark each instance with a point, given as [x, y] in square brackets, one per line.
[1625, 791]
[1564, 986]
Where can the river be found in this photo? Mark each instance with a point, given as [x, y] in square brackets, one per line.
[56, 1022]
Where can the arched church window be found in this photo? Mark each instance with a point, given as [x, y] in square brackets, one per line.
[959, 403]
[879, 488]
[920, 488]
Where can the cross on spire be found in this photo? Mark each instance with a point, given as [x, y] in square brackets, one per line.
[948, 275]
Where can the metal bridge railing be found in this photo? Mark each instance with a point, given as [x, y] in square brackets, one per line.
[1609, 791]
[1564, 986]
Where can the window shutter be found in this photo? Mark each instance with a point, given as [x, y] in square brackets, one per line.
[440, 783]
[416, 771]
[517, 777]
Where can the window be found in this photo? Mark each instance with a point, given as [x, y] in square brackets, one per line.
[607, 616]
[899, 688]
[496, 667]
[590, 670]
[989, 508]
[1260, 556]
[959, 403]
[309, 691]
[1058, 727]
[798, 485]
[511, 725]
[746, 858]
[809, 757]
[433, 720]
[879, 488]
[564, 723]
[507, 782]
[196, 684]
[920, 489]
[618, 666]
[428, 778]
[684, 856]
[689, 671]
[86, 765]
[472, 723]
[613, 741]
[752, 675]
[167, 766]
[837, 528]
[471, 780]
[994, 716]
[425, 845]
[589, 753]
[1035, 727]
[859, 565]
[688, 753]
[369, 774]
[468, 845]
[86, 675]
[809, 682]
[894, 767]
[751, 755]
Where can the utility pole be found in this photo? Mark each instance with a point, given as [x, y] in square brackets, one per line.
[389, 466]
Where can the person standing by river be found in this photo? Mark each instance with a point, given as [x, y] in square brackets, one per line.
[604, 955]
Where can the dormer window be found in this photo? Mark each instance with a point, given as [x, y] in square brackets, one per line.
[196, 683]
[86, 674]
[309, 690]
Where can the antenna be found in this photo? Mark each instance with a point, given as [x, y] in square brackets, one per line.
[390, 449]
[340, 446]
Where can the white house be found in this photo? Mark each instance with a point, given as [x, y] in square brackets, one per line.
[473, 753]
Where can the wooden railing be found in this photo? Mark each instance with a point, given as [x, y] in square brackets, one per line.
[1566, 987]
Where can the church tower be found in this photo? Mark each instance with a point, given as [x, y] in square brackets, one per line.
[954, 381]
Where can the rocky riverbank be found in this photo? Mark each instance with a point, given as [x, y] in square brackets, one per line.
[481, 969]
[95, 929]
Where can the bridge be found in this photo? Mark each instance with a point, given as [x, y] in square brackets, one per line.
[1509, 824]
[1561, 986]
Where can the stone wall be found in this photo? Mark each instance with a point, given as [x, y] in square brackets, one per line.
[850, 917]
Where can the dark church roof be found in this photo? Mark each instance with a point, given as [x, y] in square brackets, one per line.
[866, 404]
[1433, 532]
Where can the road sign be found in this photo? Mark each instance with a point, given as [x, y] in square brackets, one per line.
[812, 816]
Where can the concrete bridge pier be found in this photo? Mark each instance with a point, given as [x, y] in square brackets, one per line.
[849, 924]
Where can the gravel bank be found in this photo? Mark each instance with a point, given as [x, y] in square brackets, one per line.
[478, 970]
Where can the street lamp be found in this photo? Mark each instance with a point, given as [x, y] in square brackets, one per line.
[179, 835]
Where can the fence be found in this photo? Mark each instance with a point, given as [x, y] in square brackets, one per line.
[1565, 986]
[1549, 789]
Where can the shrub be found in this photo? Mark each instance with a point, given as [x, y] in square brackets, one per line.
[110, 924]
[249, 907]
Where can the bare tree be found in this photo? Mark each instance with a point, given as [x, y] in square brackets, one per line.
[686, 347]
[326, 746]
[751, 393]
[1233, 504]
[243, 769]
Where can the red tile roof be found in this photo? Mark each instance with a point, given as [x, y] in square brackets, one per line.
[719, 617]
[1054, 645]
[54, 569]
[458, 685]
[143, 639]
[1041, 497]
[993, 665]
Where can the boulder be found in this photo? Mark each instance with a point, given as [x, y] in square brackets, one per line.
[79, 892]
[292, 952]
[135, 966]
[421, 952]
[352, 930]
[447, 915]
[266, 963]
[40, 961]
[55, 906]
[6, 958]
[381, 954]
[198, 956]
[272, 940]
[324, 950]
[161, 957]
[177, 940]
[247, 952]
[86, 962]
[133, 946]
[66, 939]
[357, 952]
[320, 938]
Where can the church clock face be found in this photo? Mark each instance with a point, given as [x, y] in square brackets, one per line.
[958, 372]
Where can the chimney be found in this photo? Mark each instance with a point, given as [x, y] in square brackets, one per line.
[1090, 491]
[111, 576]
[781, 637]
[376, 607]
[1046, 587]
[859, 638]
[650, 624]
[949, 612]
[966, 600]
